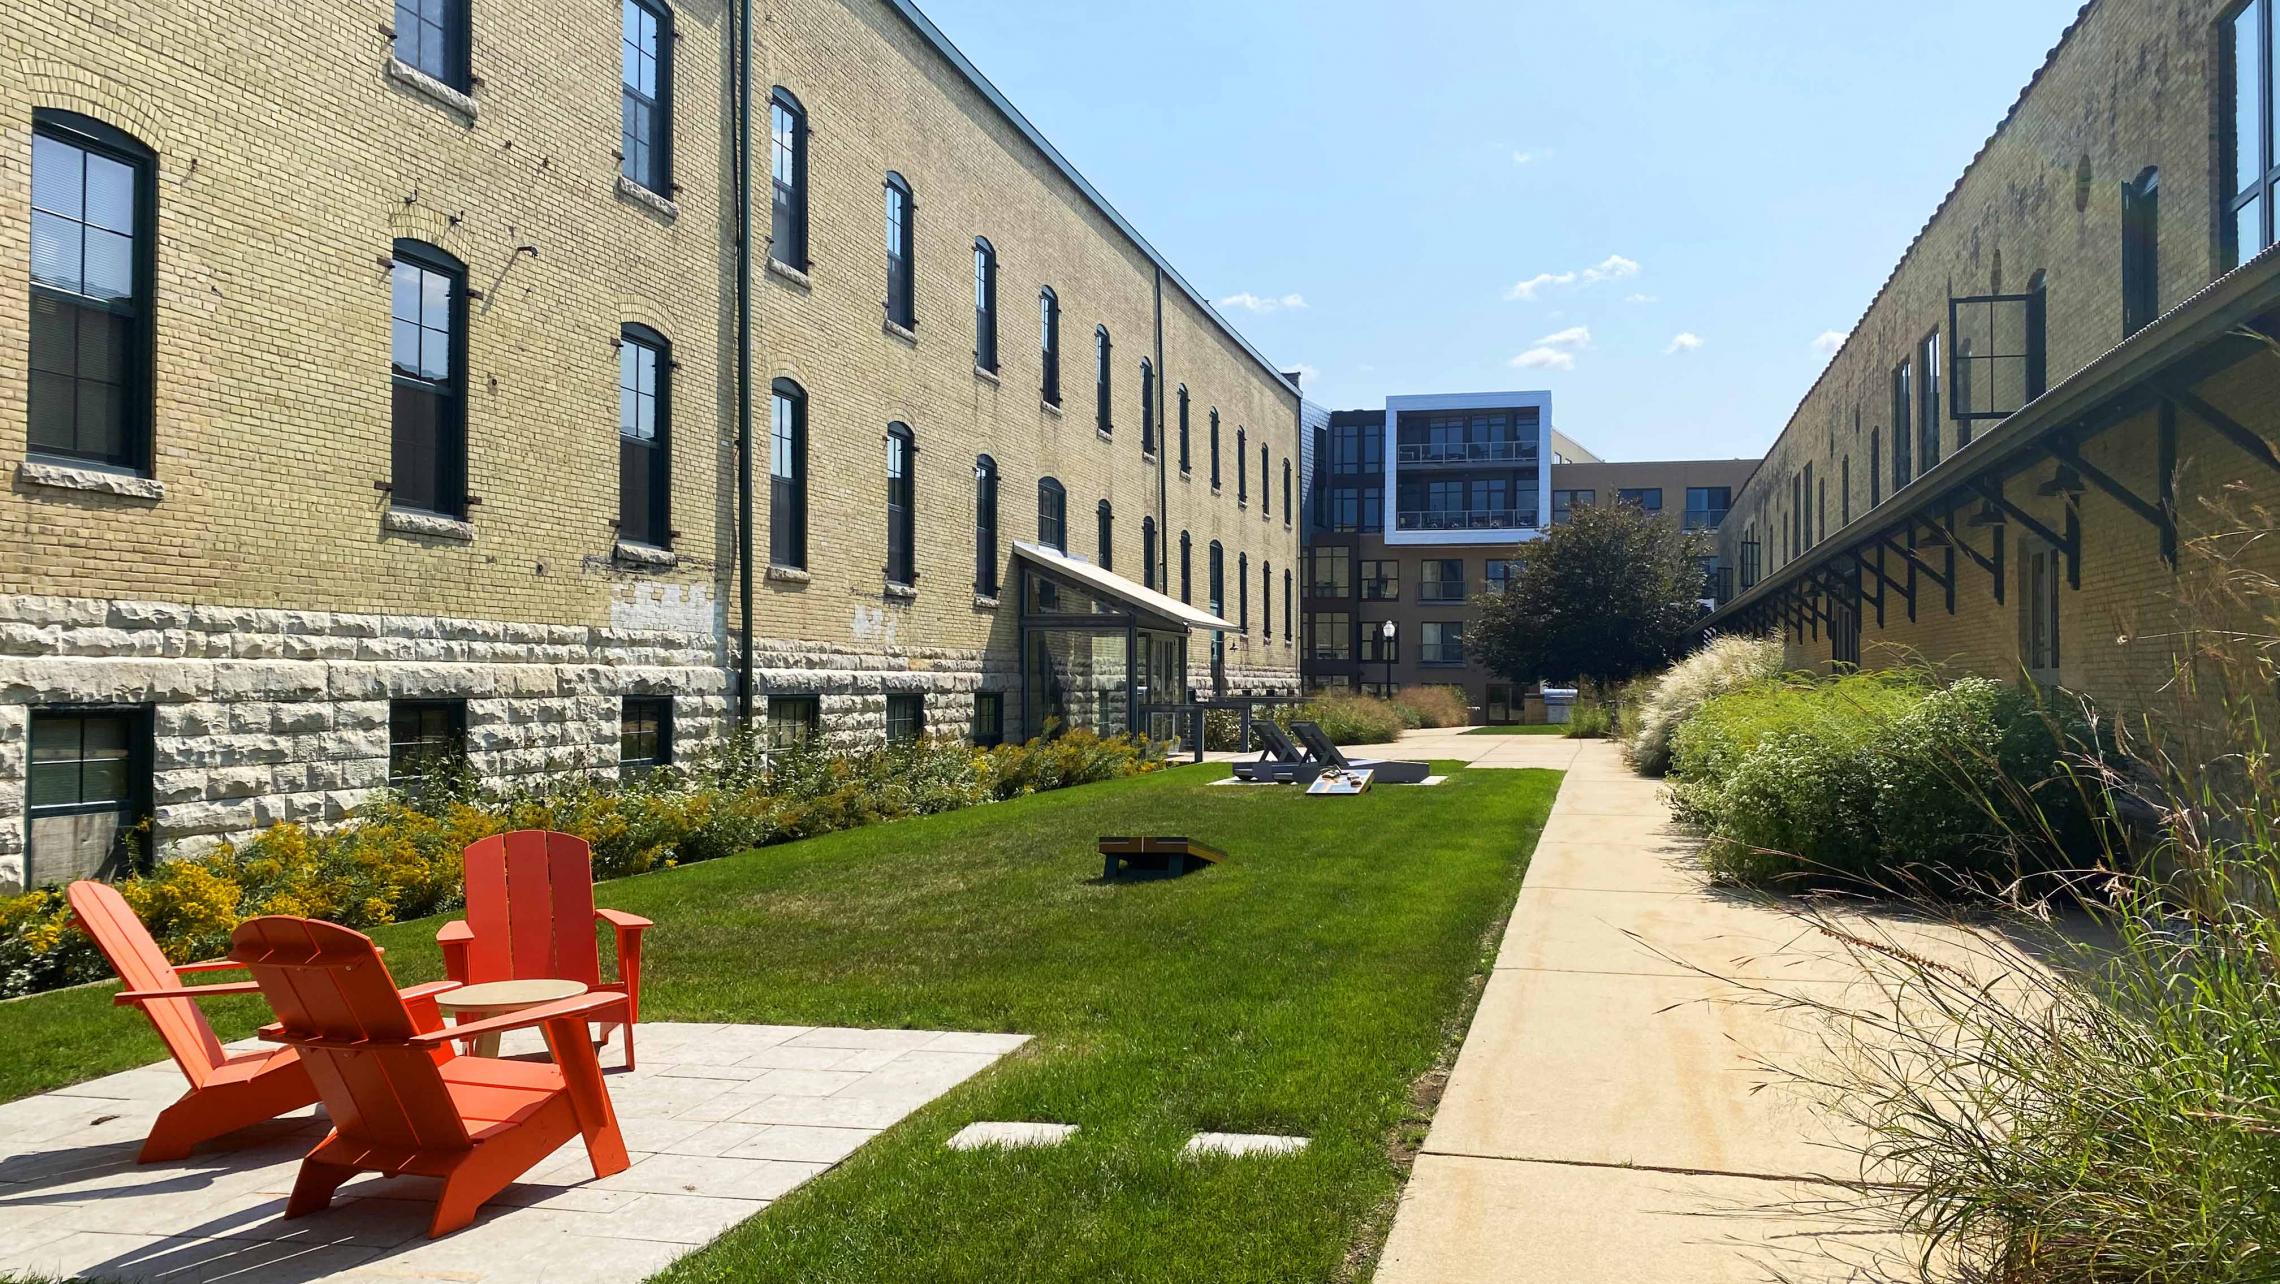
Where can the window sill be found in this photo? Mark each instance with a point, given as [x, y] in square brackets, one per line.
[1052, 408]
[778, 268]
[787, 575]
[985, 602]
[988, 376]
[1104, 434]
[419, 82]
[640, 554]
[897, 330]
[901, 592]
[655, 202]
[101, 481]
[432, 525]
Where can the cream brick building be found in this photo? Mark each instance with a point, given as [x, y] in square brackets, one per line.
[234, 585]
[2076, 362]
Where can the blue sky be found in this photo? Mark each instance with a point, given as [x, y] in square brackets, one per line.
[1658, 206]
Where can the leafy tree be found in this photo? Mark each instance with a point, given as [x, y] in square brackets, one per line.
[1607, 596]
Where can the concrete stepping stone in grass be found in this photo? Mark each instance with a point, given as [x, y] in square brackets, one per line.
[1006, 1136]
[1240, 1143]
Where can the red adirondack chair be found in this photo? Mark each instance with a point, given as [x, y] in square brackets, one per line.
[226, 1092]
[530, 913]
[401, 1099]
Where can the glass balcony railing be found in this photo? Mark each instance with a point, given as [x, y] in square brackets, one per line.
[1466, 452]
[1704, 519]
[1441, 591]
[1441, 653]
[1466, 519]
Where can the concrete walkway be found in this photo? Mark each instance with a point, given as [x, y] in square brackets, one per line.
[1606, 1119]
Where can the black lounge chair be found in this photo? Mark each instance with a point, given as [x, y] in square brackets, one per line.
[1279, 762]
[1385, 771]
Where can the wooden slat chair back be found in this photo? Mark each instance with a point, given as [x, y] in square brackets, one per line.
[401, 1100]
[530, 914]
[530, 903]
[105, 916]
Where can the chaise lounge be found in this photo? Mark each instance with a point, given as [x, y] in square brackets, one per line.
[1385, 771]
[1279, 762]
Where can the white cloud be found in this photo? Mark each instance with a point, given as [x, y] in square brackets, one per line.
[1575, 336]
[1612, 268]
[1828, 341]
[1528, 158]
[1640, 298]
[1683, 341]
[1541, 358]
[1250, 302]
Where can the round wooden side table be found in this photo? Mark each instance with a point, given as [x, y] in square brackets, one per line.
[471, 1003]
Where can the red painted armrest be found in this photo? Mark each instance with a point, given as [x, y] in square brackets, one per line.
[210, 965]
[628, 928]
[540, 1015]
[427, 990]
[456, 939]
[455, 932]
[622, 921]
[125, 997]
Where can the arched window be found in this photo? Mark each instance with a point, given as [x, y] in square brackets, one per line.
[432, 38]
[1267, 600]
[1266, 496]
[986, 526]
[1148, 552]
[787, 476]
[1104, 522]
[1183, 428]
[1242, 469]
[902, 238]
[1049, 344]
[2141, 239]
[1052, 515]
[645, 91]
[1187, 567]
[1243, 592]
[645, 403]
[1101, 347]
[1218, 582]
[985, 306]
[429, 363]
[902, 534]
[788, 164]
[1147, 407]
[93, 319]
[1286, 606]
[1215, 448]
[1286, 491]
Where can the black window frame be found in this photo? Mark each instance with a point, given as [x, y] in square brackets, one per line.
[1187, 568]
[1147, 408]
[1214, 448]
[135, 807]
[902, 505]
[645, 466]
[1903, 430]
[800, 711]
[989, 720]
[447, 485]
[1242, 465]
[905, 717]
[1928, 452]
[1286, 484]
[1288, 608]
[1148, 553]
[655, 713]
[657, 173]
[1243, 593]
[2141, 250]
[1215, 585]
[985, 305]
[787, 492]
[1053, 514]
[788, 192]
[136, 389]
[1104, 350]
[1183, 430]
[450, 62]
[1049, 345]
[1104, 534]
[447, 713]
[2262, 188]
[900, 220]
[985, 526]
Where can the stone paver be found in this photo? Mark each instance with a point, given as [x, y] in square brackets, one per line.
[1241, 1143]
[720, 1120]
[989, 1135]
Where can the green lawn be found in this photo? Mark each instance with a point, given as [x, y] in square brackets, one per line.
[1519, 729]
[1301, 987]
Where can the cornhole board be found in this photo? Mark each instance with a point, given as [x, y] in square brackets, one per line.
[1341, 782]
[1154, 857]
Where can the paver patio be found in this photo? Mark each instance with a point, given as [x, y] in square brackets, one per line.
[720, 1120]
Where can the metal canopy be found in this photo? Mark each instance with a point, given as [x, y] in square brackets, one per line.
[1145, 601]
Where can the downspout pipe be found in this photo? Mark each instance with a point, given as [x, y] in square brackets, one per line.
[1162, 570]
[743, 189]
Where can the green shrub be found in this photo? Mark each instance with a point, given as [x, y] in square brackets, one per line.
[1654, 708]
[1434, 706]
[398, 856]
[1354, 719]
[1588, 720]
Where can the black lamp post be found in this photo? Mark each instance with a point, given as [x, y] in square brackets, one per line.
[1385, 631]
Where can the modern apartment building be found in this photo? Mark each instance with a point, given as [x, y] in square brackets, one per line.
[1409, 527]
[2066, 382]
[379, 380]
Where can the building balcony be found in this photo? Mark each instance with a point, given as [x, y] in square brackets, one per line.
[1441, 591]
[1705, 520]
[1459, 453]
[1442, 653]
[1467, 519]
